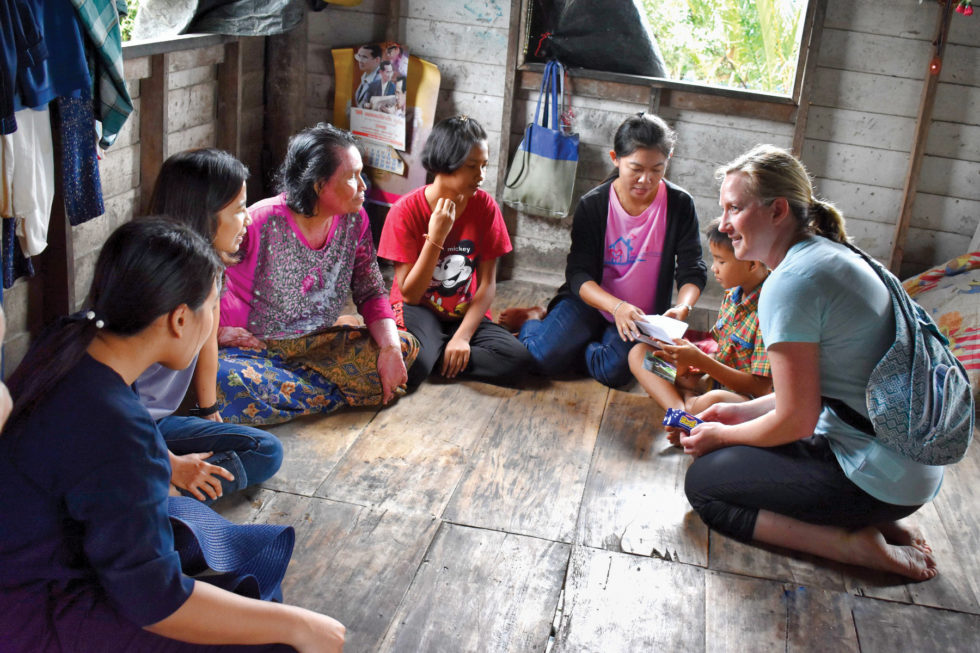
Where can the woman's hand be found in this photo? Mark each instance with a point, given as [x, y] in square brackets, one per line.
[214, 417]
[391, 369]
[725, 413]
[677, 312]
[441, 220]
[319, 634]
[455, 357]
[238, 337]
[626, 316]
[191, 474]
[703, 438]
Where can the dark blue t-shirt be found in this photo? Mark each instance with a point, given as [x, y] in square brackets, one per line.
[84, 481]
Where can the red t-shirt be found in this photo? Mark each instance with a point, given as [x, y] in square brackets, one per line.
[479, 234]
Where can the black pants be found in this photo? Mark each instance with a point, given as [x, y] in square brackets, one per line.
[496, 356]
[803, 480]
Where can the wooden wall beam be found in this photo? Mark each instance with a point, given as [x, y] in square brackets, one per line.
[57, 262]
[515, 44]
[153, 126]
[639, 92]
[394, 15]
[806, 74]
[229, 110]
[926, 104]
[285, 93]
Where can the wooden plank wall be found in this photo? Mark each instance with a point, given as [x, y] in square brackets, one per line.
[467, 41]
[869, 80]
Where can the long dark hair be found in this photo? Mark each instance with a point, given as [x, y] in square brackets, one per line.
[146, 269]
[313, 156]
[194, 185]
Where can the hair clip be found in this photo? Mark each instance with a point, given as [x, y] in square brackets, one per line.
[90, 315]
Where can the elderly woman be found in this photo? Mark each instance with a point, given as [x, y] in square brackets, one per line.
[306, 252]
[792, 468]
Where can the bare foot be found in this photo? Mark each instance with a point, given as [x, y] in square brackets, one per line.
[347, 320]
[904, 535]
[513, 319]
[870, 549]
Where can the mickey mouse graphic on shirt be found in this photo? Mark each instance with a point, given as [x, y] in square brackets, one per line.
[452, 279]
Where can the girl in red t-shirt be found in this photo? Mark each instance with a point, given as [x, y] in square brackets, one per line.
[445, 239]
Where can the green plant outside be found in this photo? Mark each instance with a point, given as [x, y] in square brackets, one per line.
[746, 44]
[126, 22]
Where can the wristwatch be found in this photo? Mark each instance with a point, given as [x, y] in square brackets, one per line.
[687, 306]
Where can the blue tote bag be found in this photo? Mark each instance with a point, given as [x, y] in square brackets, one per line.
[542, 174]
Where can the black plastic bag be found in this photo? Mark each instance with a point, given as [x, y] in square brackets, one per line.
[610, 35]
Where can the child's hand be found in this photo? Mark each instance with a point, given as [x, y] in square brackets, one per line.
[683, 354]
[441, 220]
[455, 357]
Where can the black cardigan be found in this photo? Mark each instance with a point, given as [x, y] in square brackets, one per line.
[681, 254]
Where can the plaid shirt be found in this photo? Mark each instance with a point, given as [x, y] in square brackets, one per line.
[100, 20]
[740, 343]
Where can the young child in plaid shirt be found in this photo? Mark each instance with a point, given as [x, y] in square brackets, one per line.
[740, 369]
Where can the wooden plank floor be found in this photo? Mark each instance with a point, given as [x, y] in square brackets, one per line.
[468, 517]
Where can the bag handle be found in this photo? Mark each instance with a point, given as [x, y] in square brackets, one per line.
[543, 95]
[549, 90]
[549, 94]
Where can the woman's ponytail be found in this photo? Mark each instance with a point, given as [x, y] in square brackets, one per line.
[826, 220]
[146, 269]
[56, 350]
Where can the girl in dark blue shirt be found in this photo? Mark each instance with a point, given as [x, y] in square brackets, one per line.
[87, 558]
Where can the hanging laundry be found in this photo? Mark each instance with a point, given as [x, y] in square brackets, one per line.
[65, 70]
[28, 174]
[22, 48]
[74, 123]
[100, 20]
[15, 265]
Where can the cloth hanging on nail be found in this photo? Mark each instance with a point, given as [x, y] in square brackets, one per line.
[74, 122]
[28, 172]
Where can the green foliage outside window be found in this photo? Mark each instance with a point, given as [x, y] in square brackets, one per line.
[126, 22]
[746, 44]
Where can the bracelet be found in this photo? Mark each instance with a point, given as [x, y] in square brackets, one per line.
[433, 242]
[687, 306]
[204, 411]
[621, 302]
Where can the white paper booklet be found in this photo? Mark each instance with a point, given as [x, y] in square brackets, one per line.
[655, 329]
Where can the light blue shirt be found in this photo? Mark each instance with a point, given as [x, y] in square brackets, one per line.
[161, 389]
[823, 293]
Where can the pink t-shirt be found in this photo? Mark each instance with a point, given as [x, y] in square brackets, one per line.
[479, 234]
[634, 247]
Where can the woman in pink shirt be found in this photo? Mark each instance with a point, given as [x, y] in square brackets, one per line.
[305, 253]
[632, 238]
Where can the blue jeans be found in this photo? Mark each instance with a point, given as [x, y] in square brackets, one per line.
[575, 336]
[250, 454]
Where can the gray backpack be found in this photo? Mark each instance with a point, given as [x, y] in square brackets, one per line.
[919, 397]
